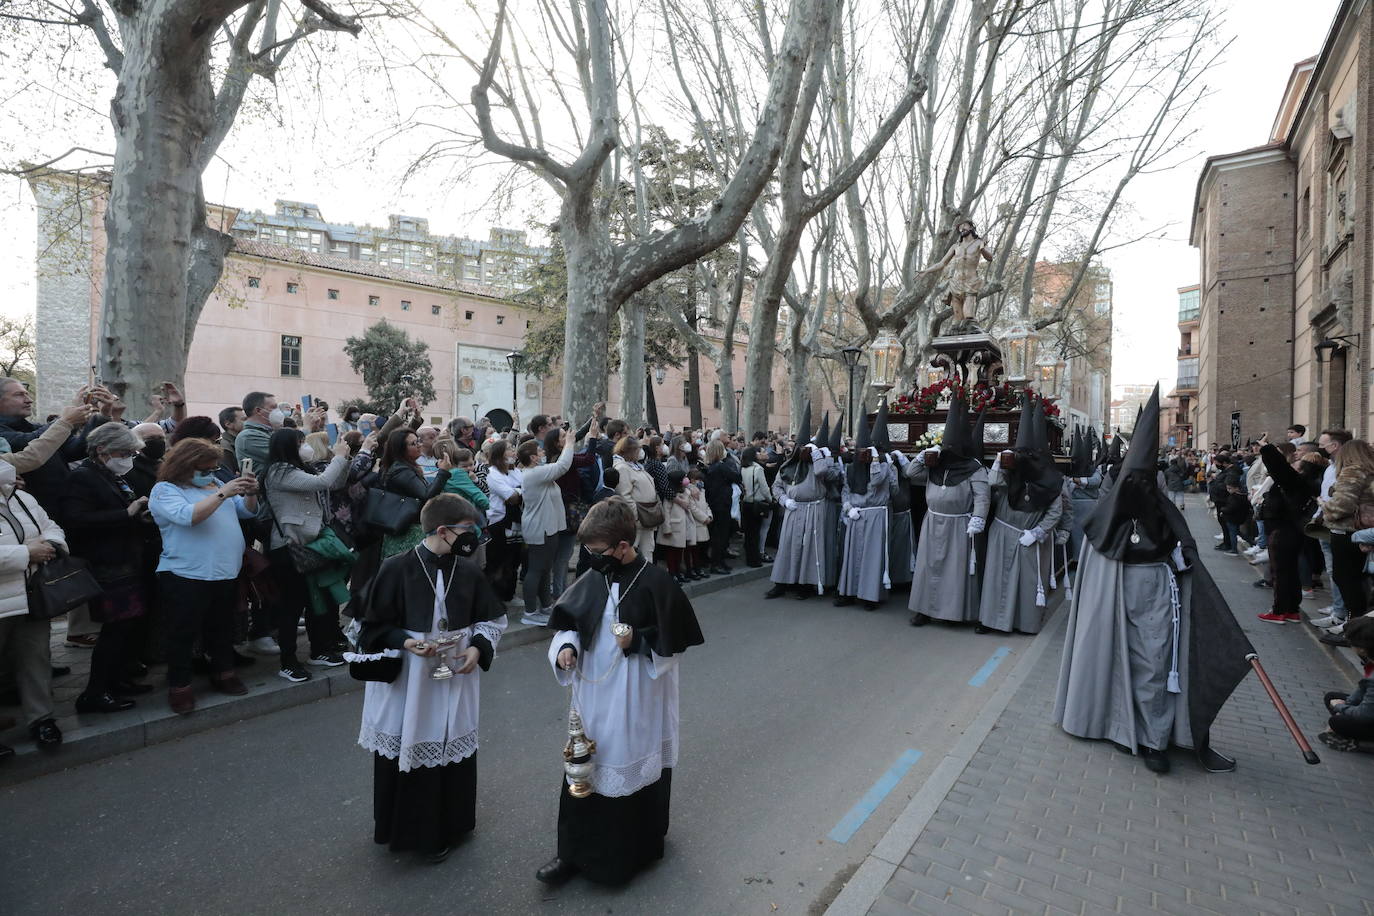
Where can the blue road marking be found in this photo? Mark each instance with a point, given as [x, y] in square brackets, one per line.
[854, 819]
[989, 666]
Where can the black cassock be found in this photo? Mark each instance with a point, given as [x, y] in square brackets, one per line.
[610, 838]
[431, 802]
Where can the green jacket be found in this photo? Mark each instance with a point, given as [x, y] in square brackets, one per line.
[252, 442]
[328, 587]
[461, 482]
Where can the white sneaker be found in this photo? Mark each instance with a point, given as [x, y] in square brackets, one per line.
[1326, 610]
[1260, 557]
[264, 645]
[1326, 622]
[1337, 630]
[537, 619]
[1251, 551]
[1218, 537]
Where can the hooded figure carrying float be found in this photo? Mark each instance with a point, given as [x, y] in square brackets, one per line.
[947, 583]
[868, 484]
[803, 542]
[901, 532]
[1027, 504]
[1152, 650]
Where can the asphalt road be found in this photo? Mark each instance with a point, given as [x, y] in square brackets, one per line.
[791, 712]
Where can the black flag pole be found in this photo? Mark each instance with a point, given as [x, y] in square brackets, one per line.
[1307, 753]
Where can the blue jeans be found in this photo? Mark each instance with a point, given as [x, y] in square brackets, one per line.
[1232, 532]
[1262, 539]
[1337, 602]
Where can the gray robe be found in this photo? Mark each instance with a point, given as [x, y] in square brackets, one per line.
[1016, 579]
[802, 542]
[942, 586]
[901, 555]
[1118, 651]
[833, 530]
[1084, 498]
[864, 570]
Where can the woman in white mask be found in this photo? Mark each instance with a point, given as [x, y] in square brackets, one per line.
[106, 526]
[27, 537]
[297, 500]
[636, 485]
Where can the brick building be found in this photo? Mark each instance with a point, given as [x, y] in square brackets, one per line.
[296, 286]
[1285, 253]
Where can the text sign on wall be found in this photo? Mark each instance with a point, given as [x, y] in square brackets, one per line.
[483, 377]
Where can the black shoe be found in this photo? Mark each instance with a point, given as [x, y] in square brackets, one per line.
[102, 702]
[721, 570]
[130, 689]
[1262, 583]
[980, 629]
[1214, 762]
[61, 670]
[556, 871]
[1155, 761]
[434, 858]
[802, 593]
[756, 564]
[1221, 547]
[919, 620]
[766, 558]
[137, 670]
[776, 591]
[843, 601]
[1339, 641]
[679, 578]
[870, 605]
[46, 734]
[731, 555]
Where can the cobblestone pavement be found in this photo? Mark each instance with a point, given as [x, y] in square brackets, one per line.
[1041, 822]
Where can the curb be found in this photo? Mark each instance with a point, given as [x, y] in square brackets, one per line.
[1344, 657]
[862, 890]
[94, 737]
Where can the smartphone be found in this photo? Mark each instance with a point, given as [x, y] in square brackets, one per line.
[365, 427]
[333, 430]
[307, 402]
[245, 467]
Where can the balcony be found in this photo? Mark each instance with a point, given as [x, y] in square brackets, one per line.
[1185, 351]
[1188, 314]
[1187, 383]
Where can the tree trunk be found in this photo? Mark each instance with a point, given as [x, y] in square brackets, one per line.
[161, 112]
[587, 246]
[725, 372]
[632, 362]
[763, 329]
[693, 359]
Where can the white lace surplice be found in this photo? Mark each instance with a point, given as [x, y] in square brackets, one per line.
[418, 721]
[631, 715]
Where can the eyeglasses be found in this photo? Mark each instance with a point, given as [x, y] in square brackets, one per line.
[598, 553]
[461, 528]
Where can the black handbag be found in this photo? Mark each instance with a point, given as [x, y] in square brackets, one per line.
[62, 584]
[390, 512]
[378, 666]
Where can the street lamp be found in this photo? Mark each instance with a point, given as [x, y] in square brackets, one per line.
[739, 393]
[1020, 352]
[884, 360]
[1329, 345]
[517, 361]
[851, 356]
[660, 374]
[474, 414]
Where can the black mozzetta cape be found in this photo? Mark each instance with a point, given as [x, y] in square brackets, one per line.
[1035, 481]
[657, 609]
[402, 598]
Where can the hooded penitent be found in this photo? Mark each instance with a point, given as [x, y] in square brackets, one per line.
[798, 464]
[901, 494]
[1035, 483]
[1135, 523]
[1114, 450]
[836, 438]
[959, 453]
[1080, 455]
[858, 471]
[824, 432]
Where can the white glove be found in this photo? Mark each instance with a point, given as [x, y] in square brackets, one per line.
[1040, 533]
[977, 524]
[898, 457]
[789, 503]
[1027, 538]
[825, 452]
[853, 514]
[814, 449]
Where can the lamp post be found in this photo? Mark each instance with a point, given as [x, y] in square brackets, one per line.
[851, 356]
[884, 360]
[516, 360]
[739, 393]
[660, 374]
[475, 415]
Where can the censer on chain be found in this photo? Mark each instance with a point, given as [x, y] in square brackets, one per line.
[577, 757]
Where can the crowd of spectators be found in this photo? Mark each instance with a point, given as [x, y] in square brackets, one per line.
[217, 541]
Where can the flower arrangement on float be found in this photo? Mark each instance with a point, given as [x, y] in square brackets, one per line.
[929, 440]
[978, 396]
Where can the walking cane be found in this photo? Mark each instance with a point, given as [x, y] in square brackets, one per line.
[1307, 753]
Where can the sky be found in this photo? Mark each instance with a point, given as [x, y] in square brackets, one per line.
[264, 161]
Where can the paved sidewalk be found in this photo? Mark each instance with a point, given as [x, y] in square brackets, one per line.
[94, 736]
[1040, 822]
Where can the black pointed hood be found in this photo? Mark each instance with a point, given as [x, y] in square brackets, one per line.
[1131, 522]
[880, 438]
[1081, 455]
[1114, 450]
[824, 432]
[796, 466]
[836, 438]
[1034, 483]
[858, 471]
[961, 446]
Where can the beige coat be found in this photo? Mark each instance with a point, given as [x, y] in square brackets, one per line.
[701, 517]
[14, 551]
